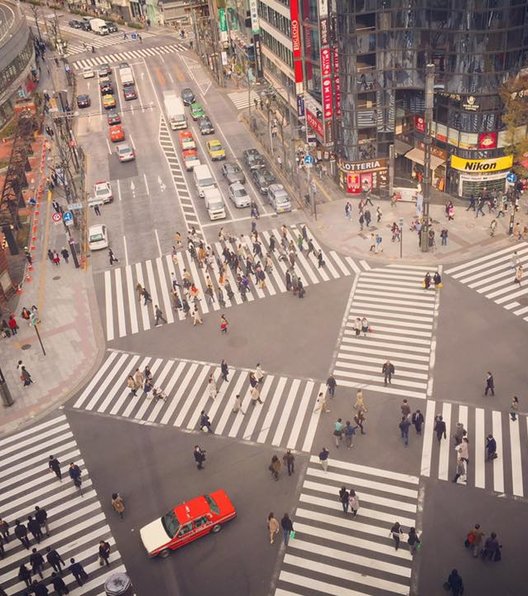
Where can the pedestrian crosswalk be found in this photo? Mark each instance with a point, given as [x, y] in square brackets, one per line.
[242, 99]
[77, 523]
[505, 475]
[286, 417]
[336, 553]
[493, 276]
[79, 46]
[139, 53]
[401, 317]
[124, 314]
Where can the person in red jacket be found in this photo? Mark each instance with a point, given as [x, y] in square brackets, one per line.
[13, 325]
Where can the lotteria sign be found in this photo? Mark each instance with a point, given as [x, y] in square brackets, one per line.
[482, 165]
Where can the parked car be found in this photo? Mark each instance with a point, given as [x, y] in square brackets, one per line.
[206, 126]
[129, 92]
[278, 198]
[83, 101]
[232, 173]
[97, 237]
[253, 159]
[215, 150]
[103, 192]
[187, 96]
[125, 152]
[187, 522]
[238, 194]
[263, 178]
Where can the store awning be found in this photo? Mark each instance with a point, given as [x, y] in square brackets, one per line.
[417, 155]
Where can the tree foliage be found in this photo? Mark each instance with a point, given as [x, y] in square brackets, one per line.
[514, 94]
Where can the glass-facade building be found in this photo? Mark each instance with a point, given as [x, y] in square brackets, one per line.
[383, 48]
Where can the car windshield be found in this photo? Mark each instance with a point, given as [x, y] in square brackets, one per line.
[281, 199]
[101, 190]
[212, 504]
[124, 149]
[96, 237]
[170, 523]
[207, 182]
[240, 192]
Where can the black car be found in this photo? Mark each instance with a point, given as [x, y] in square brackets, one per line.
[206, 126]
[85, 26]
[75, 24]
[129, 92]
[253, 159]
[187, 96]
[263, 178]
[83, 101]
[233, 173]
[112, 27]
[106, 87]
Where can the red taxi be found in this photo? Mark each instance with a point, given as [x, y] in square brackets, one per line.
[116, 133]
[187, 522]
[186, 140]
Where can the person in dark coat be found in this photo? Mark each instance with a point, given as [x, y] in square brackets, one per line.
[388, 370]
[41, 515]
[21, 533]
[418, 420]
[287, 528]
[39, 589]
[34, 528]
[455, 583]
[59, 585]
[54, 466]
[199, 457]
[78, 572]
[491, 448]
[36, 560]
[492, 548]
[490, 384]
[104, 552]
[344, 498]
[24, 574]
[440, 428]
[225, 370]
[54, 559]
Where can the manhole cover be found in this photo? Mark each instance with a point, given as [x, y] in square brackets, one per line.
[26, 347]
[56, 277]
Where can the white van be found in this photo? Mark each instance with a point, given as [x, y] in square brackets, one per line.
[203, 178]
[214, 203]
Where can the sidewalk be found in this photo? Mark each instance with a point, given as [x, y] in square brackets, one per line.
[70, 330]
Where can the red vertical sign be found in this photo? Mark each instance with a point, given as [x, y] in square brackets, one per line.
[296, 40]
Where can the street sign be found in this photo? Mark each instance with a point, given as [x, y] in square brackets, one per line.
[133, 35]
[75, 206]
[308, 161]
[511, 177]
[56, 217]
[67, 218]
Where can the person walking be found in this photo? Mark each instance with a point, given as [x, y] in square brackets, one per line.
[460, 433]
[259, 374]
[237, 406]
[273, 527]
[65, 254]
[404, 429]
[490, 384]
[359, 404]
[158, 315]
[321, 403]
[413, 541]
[396, 531]
[418, 420]
[224, 371]
[118, 504]
[440, 428]
[146, 296]
[405, 409]
[132, 385]
[212, 391]
[196, 319]
[78, 572]
[4, 530]
[224, 324]
[289, 461]
[323, 458]
[287, 528]
[58, 584]
[491, 448]
[36, 560]
[461, 471]
[34, 527]
[338, 431]
[519, 274]
[344, 498]
[387, 370]
[492, 548]
[41, 515]
[199, 456]
[353, 502]
[205, 423]
[331, 385]
[454, 581]
[75, 474]
[275, 467]
[111, 257]
[54, 466]
[24, 574]
[360, 420]
[25, 377]
[104, 553]
[54, 559]
[474, 540]
[514, 408]
[254, 394]
[349, 431]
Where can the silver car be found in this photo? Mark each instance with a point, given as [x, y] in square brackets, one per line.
[278, 198]
[125, 152]
[239, 195]
[233, 173]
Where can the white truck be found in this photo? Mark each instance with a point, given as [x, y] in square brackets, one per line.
[175, 110]
[99, 26]
[126, 76]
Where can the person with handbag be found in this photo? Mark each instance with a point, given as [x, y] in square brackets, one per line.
[104, 553]
[454, 583]
[287, 528]
[338, 431]
[273, 527]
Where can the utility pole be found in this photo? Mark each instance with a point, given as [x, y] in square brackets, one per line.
[35, 11]
[428, 140]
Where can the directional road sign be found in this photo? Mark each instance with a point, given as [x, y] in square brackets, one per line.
[308, 161]
[67, 218]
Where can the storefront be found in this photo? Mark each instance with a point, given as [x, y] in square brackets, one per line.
[475, 175]
[364, 176]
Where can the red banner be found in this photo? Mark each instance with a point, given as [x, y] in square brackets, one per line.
[487, 140]
[326, 66]
[296, 40]
[419, 123]
[314, 123]
[327, 98]
[337, 83]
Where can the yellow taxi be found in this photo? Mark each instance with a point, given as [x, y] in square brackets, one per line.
[116, 133]
[215, 149]
[109, 102]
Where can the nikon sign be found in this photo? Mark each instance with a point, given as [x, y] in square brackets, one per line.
[482, 165]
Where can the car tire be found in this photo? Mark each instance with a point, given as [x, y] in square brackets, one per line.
[164, 553]
[216, 529]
